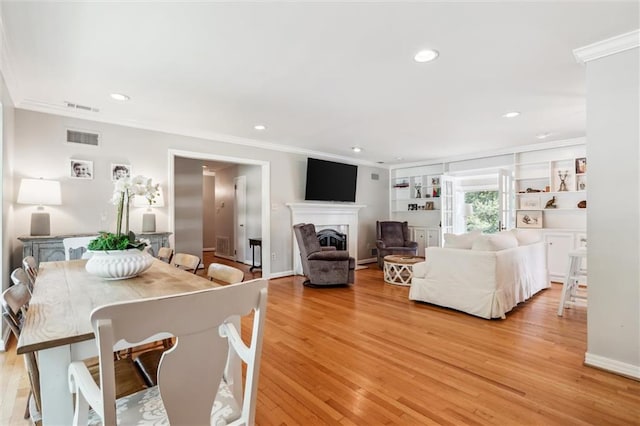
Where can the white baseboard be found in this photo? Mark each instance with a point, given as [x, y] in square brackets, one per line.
[618, 367]
[281, 274]
[4, 342]
[365, 261]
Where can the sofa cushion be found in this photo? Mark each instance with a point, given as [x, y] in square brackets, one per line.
[526, 236]
[495, 242]
[461, 241]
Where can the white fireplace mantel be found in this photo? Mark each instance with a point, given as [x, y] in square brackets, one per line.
[321, 214]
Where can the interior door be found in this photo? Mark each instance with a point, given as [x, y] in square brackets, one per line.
[240, 218]
[447, 205]
[506, 195]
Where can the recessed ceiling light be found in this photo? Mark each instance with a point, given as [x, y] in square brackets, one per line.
[399, 158]
[511, 114]
[356, 149]
[120, 97]
[427, 55]
[543, 135]
[260, 127]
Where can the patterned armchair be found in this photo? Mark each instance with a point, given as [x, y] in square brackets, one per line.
[393, 238]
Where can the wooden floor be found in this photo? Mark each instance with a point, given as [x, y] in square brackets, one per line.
[365, 355]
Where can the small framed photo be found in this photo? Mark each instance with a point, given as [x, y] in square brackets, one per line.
[80, 169]
[581, 165]
[581, 183]
[428, 205]
[529, 202]
[119, 171]
[529, 219]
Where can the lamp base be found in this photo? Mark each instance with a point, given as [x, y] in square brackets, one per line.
[40, 224]
[149, 222]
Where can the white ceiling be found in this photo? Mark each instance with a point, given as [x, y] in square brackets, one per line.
[322, 77]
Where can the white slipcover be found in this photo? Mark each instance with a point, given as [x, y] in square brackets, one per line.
[487, 284]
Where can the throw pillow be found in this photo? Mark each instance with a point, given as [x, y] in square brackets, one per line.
[461, 241]
[495, 242]
[526, 237]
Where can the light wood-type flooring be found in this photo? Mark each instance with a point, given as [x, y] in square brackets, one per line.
[366, 355]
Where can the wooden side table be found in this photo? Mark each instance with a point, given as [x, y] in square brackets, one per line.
[398, 269]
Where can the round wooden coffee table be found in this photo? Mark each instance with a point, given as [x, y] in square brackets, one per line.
[398, 269]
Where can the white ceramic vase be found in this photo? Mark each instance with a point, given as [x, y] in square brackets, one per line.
[118, 264]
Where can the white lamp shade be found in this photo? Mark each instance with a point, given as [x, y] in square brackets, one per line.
[140, 201]
[39, 191]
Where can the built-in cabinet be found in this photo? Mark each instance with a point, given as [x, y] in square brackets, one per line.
[50, 248]
[425, 237]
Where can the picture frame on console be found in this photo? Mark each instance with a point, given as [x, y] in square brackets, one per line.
[529, 219]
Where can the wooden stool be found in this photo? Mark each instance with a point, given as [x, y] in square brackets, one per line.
[576, 273]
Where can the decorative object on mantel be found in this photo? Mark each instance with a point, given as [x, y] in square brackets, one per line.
[120, 256]
[418, 190]
[551, 204]
[582, 204]
[149, 218]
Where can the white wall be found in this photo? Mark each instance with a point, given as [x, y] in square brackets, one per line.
[613, 217]
[187, 206]
[208, 211]
[41, 151]
[6, 213]
[254, 207]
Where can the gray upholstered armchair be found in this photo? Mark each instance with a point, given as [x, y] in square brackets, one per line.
[322, 265]
[393, 238]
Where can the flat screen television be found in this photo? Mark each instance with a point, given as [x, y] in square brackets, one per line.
[330, 181]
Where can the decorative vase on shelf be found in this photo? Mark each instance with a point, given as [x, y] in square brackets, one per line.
[118, 264]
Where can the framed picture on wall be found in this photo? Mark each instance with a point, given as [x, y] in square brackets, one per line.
[80, 169]
[529, 202]
[119, 171]
[529, 219]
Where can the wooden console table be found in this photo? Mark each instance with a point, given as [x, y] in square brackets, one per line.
[49, 248]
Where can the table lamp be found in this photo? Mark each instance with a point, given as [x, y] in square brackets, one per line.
[149, 218]
[42, 192]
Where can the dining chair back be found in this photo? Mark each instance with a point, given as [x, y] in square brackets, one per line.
[76, 247]
[31, 268]
[165, 254]
[19, 276]
[15, 301]
[188, 262]
[195, 384]
[224, 274]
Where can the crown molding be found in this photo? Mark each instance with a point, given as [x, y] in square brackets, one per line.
[607, 47]
[47, 108]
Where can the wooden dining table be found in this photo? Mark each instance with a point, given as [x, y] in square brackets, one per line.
[58, 324]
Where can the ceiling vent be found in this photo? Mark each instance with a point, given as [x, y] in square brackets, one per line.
[83, 137]
[81, 107]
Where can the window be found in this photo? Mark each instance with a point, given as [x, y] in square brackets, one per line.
[486, 211]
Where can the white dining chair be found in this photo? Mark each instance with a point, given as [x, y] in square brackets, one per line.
[195, 380]
[76, 247]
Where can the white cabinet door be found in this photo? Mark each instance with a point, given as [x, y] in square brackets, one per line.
[559, 244]
[433, 237]
[420, 237]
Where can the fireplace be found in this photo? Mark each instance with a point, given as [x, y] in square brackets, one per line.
[330, 237]
[340, 217]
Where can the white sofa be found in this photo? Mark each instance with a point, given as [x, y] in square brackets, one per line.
[487, 277]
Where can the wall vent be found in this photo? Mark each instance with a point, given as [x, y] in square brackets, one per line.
[80, 107]
[222, 246]
[83, 137]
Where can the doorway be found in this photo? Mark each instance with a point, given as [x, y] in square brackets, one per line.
[264, 195]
